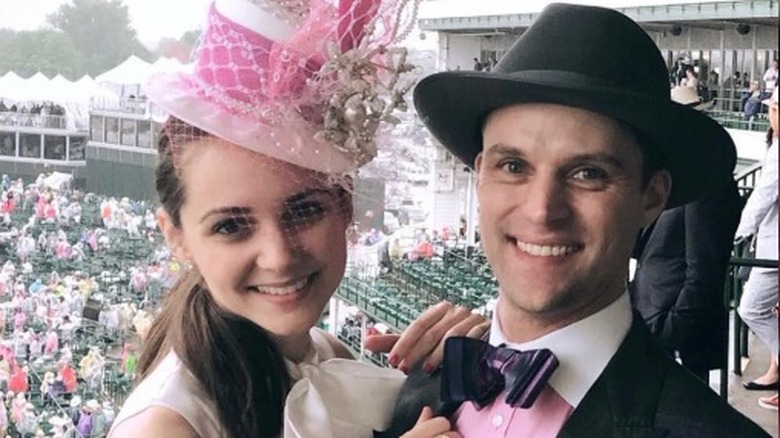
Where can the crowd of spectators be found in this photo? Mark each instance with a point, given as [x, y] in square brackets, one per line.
[737, 92]
[40, 115]
[82, 278]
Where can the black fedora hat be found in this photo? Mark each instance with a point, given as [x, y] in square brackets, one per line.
[592, 58]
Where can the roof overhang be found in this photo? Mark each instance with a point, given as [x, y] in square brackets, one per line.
[711, 15]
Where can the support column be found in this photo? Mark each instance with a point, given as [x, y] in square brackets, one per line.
[471, 212]
[334, 307]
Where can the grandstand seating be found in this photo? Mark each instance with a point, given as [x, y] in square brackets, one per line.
[398, 296]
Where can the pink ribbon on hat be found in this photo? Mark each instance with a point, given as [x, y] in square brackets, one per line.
[232, 55]
[292, 62]
[352, 25]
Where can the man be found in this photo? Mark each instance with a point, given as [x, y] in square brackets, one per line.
[751, 101]
[682, 261]
[770, 77]
[576, 147]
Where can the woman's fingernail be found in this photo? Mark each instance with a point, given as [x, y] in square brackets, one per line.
[403, 367]
[428, 367]
[393, 360]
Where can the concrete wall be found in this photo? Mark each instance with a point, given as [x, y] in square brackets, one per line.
[460, 50]
[30, 171]
[120, 173]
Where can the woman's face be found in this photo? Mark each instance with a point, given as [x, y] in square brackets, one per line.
[268, 237]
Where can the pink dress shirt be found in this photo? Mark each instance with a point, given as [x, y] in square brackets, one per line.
[543, 420]
[583, 349]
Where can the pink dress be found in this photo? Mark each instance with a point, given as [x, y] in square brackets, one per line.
[52, 343]
[19, 320]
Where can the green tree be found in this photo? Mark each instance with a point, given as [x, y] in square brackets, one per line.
[181, 48]
[49, 51]
[100, 30]
[191, 37]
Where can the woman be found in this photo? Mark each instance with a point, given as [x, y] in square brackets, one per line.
[256, 200]
[759, 219]
[691, 78]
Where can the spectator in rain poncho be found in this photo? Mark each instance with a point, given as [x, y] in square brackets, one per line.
[129, 361]
[52, 343]
[18, 381]
[99, 422]
[28, 422]
[3, 419]
[17, 407]
[46, 388]
[108, 411]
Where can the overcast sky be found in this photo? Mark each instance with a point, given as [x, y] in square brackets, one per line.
[154, 19]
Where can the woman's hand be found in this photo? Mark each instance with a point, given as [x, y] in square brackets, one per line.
[424, 338]
[429, 426]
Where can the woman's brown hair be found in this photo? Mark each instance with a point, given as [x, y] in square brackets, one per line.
[235, 360]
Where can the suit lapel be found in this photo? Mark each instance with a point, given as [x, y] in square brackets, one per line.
[618, 404]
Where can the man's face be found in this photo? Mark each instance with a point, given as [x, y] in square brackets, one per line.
[561, 204]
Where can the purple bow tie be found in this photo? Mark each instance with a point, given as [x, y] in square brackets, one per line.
[475, 370]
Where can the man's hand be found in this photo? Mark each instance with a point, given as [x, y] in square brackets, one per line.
[426, 335]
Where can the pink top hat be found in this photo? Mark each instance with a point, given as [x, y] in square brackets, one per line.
[304, 81]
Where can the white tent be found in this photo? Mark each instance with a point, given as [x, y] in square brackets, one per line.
[88, 88]
[38, 79]
[164, 64]
[61, 90]
[11, 77]
[10, 84]
[125, 79]
[60, 80]
[86, 80]
[133, 70]
[36, 88]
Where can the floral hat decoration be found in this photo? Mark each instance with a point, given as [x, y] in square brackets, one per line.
[309, 82]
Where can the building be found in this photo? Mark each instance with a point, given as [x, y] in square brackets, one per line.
[718, 38]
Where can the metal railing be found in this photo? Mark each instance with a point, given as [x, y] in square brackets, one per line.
[368, 302]
[728, 108]
[733, 293]
[9, 118]
[747, 179]
[139, 106]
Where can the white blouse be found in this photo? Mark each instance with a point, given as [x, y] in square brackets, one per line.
[331, 397]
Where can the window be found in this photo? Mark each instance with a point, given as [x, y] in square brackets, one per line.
[96, 130]
[144, 134]
[77, 145]
[8, 144]
[54, 147]
[30, 145]
[128, 132]
[112, 130]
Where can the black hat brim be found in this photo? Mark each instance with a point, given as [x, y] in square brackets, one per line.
[454, 105]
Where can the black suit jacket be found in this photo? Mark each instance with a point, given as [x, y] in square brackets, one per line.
[680, 276]
[641, 393]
